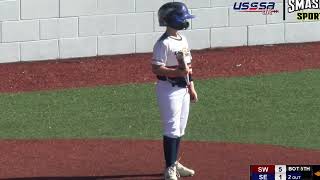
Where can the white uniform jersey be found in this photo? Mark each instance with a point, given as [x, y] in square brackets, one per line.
[173, 101]
[165, 48]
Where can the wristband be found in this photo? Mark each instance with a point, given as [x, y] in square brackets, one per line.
[190, 77]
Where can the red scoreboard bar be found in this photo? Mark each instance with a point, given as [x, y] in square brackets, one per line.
[285, 172]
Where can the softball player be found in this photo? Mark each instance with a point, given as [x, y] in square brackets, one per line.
[175, 87]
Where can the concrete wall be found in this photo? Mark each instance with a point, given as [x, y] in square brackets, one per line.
[50, 29]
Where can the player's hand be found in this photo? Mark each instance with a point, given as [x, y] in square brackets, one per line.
[182, 72]
[193, 95]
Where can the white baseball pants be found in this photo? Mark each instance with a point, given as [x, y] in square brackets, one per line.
[174, 103]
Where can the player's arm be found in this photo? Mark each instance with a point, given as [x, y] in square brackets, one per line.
[161, 70]
[192, 90]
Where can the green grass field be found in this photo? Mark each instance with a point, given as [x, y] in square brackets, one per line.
[281, 109]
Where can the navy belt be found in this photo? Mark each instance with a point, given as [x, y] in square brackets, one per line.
[176, 81]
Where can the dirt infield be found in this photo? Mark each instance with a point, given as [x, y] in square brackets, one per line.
[121, 69]
[120, 159]
[117, 159]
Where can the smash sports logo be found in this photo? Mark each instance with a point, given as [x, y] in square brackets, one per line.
[299, 5]
[265, 7]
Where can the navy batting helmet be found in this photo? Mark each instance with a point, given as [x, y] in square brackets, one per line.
[175, 15]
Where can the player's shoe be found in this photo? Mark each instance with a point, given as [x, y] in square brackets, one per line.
[184, 171]
[170, 173]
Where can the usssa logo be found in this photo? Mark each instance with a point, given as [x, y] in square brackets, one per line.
[263, 7]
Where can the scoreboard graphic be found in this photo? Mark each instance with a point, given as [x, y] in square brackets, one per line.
[285, 172]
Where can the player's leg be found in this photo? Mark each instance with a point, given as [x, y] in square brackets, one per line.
[184, 171]
[184, 113]
[169, 102]
[183, 117]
